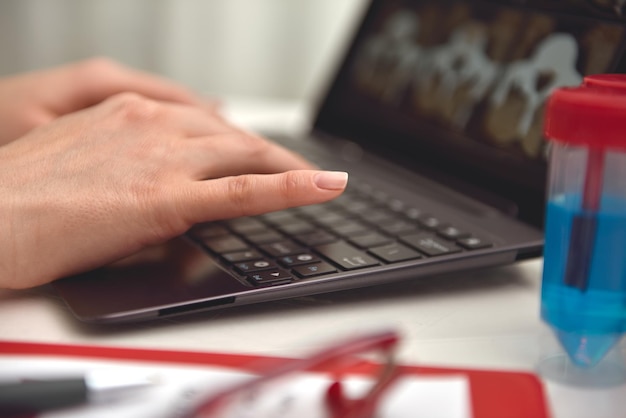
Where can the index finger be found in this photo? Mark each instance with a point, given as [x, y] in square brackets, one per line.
[253, 194]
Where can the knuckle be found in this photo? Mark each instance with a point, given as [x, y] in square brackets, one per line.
[132, 107]
[290, 185]
[238, 194]
[97, 68]
[254, 145]
[171, 217]
[162, 212]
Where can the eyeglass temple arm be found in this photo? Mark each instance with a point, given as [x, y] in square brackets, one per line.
[384, 341]
[365, 407]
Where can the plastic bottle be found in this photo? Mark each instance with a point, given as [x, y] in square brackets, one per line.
[583, 295]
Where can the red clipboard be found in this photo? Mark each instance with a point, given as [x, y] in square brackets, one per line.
[494, 393]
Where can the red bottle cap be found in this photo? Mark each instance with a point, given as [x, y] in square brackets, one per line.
[592, 115]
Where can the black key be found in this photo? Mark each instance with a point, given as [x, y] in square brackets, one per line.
[312, 270]
[394, 253]
[378, 217]
[413, 213]
[246, 225]
[241, 256]
[452, 233]
[430, 245]
[399, 227]
[281, 248]
[346, 256]
[298, 259]
[270, 278]
[379, 196]
[355, 206]
[350, 228]
[330, 219]
[316, 238]
[363, 188]
[265, 237]
[315, 210]
[396, 205]
[255, 266]
[474, 243]
[429, 221]
[296, 228]
[373, 239]
[281, 218]
[208, 231]
[225, 244]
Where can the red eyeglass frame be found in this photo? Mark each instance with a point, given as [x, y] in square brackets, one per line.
[341, 353]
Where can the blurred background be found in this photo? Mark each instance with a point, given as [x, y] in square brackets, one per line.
[283, 49]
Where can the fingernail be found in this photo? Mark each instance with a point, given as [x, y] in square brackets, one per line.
[331, 180]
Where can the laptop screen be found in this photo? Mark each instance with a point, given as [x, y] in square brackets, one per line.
[462, 84]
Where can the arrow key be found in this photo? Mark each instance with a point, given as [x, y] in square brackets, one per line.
[270, 278]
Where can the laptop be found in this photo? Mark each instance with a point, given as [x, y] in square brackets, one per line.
[436, 113]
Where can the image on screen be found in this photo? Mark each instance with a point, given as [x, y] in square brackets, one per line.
[480, 72]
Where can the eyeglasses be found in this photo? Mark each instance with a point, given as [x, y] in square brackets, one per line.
[340, 359]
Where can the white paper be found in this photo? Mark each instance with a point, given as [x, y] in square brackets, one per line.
[178, 386]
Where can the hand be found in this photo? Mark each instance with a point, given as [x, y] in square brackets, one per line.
[36, 98]
[100, 184]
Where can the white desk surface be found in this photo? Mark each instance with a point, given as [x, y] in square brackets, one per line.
[480, 319]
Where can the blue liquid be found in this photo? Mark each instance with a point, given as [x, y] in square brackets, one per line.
[589, 322]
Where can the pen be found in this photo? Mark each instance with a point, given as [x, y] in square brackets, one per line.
[37, 395]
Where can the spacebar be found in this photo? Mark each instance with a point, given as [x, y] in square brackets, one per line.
[346, 256]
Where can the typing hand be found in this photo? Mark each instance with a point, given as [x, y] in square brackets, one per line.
[36, 98]
[99, 184]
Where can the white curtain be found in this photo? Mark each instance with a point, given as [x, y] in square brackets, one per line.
[270, 48]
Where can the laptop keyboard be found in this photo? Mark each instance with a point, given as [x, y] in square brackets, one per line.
[362, 228]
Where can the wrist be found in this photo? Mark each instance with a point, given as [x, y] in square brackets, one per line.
[18, 267]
